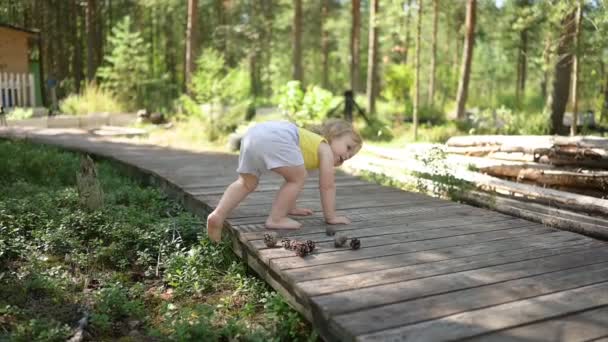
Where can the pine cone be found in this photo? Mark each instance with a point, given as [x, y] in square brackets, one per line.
[301, 249]
[311, 245]
[340, 240]
[293, 244]
[286, 243]
[270, 240]
[355, 243]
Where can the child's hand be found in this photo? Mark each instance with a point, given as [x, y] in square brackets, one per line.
[338, 220]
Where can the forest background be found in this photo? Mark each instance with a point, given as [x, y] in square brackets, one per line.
[511, 67]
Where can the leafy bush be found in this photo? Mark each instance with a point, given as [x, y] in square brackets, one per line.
[126, 65]
[304, 107]
[115, 304]
[213, 82]
[427, 114]
[92, 99]
[398, 79]
[290, 97]
[194, 271]
[376, 131]
[20, 113]
[47, 330]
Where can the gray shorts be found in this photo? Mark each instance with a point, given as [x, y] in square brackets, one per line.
[269, 145]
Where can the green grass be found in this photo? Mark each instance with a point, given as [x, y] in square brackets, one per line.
[141, 266]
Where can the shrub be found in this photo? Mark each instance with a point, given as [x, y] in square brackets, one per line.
[213, 82]
[92, 99]
[304, 107]
[398, 80]
[376, 131]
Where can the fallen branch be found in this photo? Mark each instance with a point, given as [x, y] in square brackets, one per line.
[78, 335]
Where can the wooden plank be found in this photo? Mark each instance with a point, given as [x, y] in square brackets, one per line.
[417, 232]
[357, 214]
[588, 325]
[433, 307]
[473, 323]
[420, 221]
[346, 301]
[379, 251]
[405, 256]
[430, 237]
[394, 274]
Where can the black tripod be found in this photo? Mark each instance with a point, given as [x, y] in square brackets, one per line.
[349, 106]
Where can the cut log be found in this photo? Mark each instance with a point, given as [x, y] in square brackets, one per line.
[554, 217]
[538, 141]
[546, 175]
[580, 151]
[561, 199]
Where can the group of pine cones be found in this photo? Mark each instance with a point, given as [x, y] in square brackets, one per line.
[303, 248]
[340, 241]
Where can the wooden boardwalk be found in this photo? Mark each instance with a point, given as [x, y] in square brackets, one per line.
[428, 269]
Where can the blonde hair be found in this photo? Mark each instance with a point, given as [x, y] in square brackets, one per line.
[335, 128]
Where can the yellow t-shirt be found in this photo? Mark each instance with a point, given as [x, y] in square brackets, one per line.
[309, 144]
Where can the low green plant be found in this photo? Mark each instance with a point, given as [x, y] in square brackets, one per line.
[115, 304]
[214, 82]
[305, 107]
[442, 181]
[47, 330]
[20, 113]
[376, 131]
[92, 99]
[124, 263]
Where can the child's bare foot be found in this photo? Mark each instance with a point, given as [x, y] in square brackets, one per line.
[301, 212]
[214, 227]
[284, 223]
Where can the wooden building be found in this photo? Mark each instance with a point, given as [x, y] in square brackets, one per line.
[19, 83]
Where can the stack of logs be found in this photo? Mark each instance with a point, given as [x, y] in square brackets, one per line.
[547, 172]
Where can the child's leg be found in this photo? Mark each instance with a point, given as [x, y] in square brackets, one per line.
[295, 176]
[234, 194]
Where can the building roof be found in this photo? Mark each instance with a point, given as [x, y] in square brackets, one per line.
[12, 27]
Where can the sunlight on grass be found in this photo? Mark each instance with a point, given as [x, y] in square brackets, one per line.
[91, 100]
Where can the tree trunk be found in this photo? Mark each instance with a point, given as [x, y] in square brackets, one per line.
[267, 43]
[170, 53]
[408, 16]
[467, 56]
[546, 61]
[575, 68]
[562, 73]
[372, 58]
[324, 44]
[254, 54]
[77, 71]
[92, 44]
[604, 109]
[355, 40]
[417, 69]
[191, 42]
[520, 89]
[297, 42]
[433, 53]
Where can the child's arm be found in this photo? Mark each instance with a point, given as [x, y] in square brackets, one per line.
[327, 186]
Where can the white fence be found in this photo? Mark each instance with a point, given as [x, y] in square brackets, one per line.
[17, 90]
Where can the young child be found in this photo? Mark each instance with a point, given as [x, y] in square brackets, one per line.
[289, 151]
